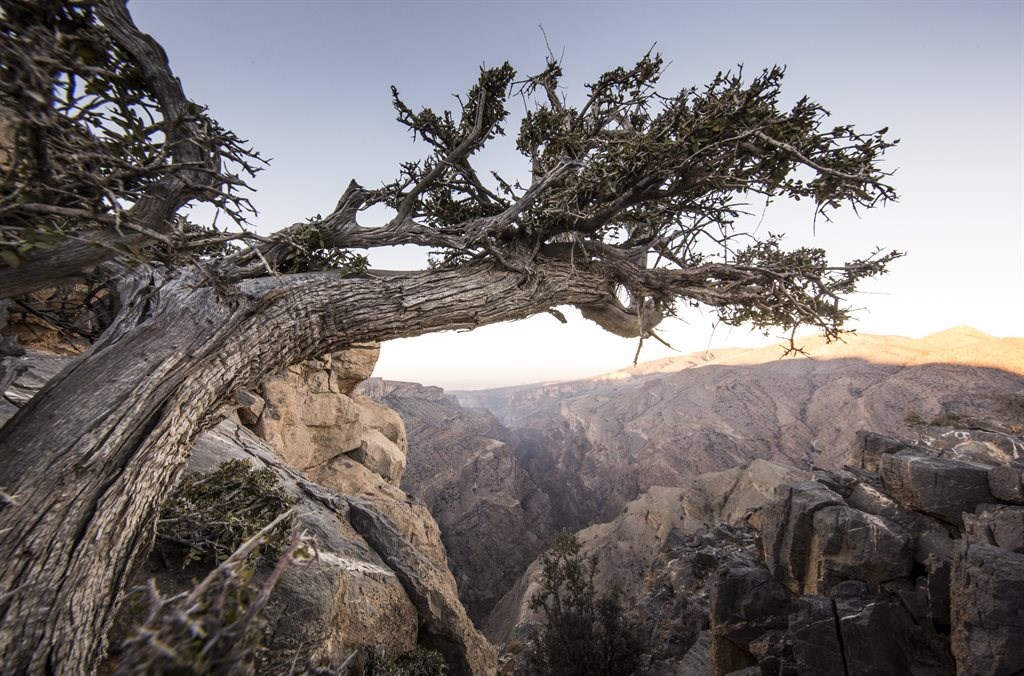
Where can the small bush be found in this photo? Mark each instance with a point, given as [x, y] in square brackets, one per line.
[418, 662]
[210, 514]
[216, 627]
[582, 634]
[914, 419]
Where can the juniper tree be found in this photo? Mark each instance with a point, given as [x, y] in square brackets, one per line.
[629, 212]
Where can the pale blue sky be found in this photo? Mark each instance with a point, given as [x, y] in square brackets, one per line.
[308, 84]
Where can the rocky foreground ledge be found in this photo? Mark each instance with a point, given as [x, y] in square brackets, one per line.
[380, 579]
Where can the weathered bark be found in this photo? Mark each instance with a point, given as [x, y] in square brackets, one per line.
[120, 420]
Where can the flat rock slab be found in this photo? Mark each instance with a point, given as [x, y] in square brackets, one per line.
[940, 487]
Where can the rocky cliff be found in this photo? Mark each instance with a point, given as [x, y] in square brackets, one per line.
[380, 577]
[909, 559]
[494, 519]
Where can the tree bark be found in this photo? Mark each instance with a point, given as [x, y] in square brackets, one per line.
[92, 456]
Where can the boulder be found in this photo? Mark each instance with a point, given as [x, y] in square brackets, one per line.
[787, 529]
[987, 598]
[940, 487]
[850, 545]
[308, 413]
[871, 631]
[999, 525]
[868, 449]
[306, 416]
[444, 625]
[379, 454]
[354, 365]
[929, 536]
[344, 598]
[1007, 481]
[746, 603]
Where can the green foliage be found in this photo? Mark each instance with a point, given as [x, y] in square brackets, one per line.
[582, 634]
[308, 253]
[418, 662]
[211, 514]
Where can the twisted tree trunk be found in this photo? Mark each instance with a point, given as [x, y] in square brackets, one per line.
[90, 459]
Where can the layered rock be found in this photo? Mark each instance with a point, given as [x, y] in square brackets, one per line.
[902, 571]
[311, 415]
[903, 561]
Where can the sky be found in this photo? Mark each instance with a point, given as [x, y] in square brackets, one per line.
[308, 83]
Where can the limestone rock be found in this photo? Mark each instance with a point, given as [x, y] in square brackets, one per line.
[311, 416]
[357, 592]
[707, 412]
[354, 365]
[851, 545]
[444, 625]
[248, 407]
[379, 454]
[988, 594]
[493, 518]
[345, 598]
[746, 602]
[660, 549]
[870, 626]
[869, 448]
[787, 529]
[939, 487]
[306, 416]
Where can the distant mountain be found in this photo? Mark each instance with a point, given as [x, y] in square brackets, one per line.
[593, 445]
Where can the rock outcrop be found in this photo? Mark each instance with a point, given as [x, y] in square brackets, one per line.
[657, 553]
[903, 561]
[380, 577]
[924, 578]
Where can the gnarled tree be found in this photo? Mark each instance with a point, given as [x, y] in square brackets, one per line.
[630, 209]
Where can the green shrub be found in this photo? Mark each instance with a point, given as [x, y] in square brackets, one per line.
[210, 514]
[216, 627]
[581, 633]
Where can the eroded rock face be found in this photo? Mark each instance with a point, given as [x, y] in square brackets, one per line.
[936, 486]
[1007, 481]
[494, 519]
[854, 571]
[686, 416]
[309, 413]
[661, 552]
